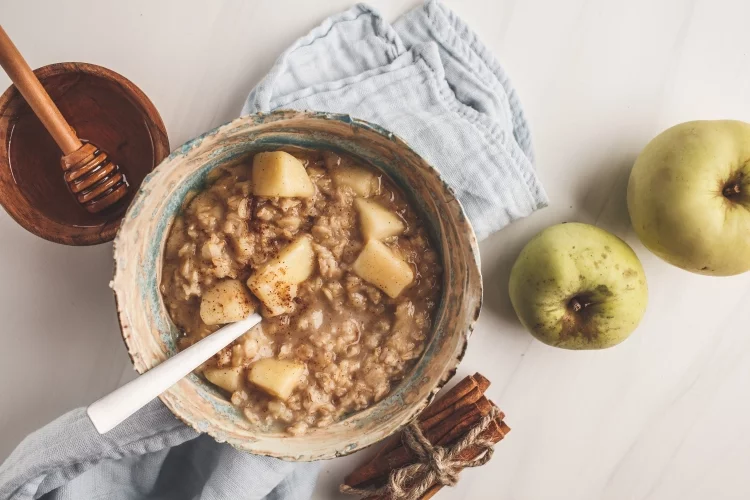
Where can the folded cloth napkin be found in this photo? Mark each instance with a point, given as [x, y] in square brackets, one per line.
[152, 455]
[428, 79]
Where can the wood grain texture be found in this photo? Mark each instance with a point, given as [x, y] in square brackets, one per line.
[106, 109]
[33, 92]
[96, 182]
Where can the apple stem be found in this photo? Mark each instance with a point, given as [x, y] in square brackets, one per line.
[576, 304]
[732, 190]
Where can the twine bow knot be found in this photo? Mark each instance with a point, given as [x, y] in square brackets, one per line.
[437, 464]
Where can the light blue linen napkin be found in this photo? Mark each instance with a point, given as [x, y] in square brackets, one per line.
[428, 79]
[152, 455]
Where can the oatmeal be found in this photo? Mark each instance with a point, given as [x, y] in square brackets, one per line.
[338, 264]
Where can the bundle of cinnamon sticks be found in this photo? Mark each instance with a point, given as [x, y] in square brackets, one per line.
[443, 423]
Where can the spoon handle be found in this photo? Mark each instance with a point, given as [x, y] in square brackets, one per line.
[32, 91]
[121, 403]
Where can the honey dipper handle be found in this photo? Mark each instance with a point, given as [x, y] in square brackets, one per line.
[31, 89]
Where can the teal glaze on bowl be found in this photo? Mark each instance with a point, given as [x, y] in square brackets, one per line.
[150, 334]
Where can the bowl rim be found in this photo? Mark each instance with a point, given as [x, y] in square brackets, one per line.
[474, 267]
[37, 222]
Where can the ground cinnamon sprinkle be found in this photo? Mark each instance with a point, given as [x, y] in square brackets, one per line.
[355, 342]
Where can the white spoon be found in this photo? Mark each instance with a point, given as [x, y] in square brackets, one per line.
[118, 405]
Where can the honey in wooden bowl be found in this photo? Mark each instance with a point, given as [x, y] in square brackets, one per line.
[103, 107]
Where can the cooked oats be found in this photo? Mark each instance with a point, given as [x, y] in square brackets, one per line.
[354, 341]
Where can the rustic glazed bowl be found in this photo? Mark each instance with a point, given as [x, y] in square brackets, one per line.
[150, 334]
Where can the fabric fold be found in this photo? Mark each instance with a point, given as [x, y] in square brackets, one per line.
[429, 80]
[426, 78]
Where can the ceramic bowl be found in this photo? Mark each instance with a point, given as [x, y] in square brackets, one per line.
[150, 334]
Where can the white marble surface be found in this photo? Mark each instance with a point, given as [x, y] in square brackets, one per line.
[663, 416]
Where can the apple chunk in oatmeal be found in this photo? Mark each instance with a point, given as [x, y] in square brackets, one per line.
[339, 265]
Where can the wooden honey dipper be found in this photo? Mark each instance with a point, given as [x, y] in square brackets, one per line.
[96, 182]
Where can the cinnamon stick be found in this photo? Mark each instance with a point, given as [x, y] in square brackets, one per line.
[464, 387]
[448, 430]
[495, 433]
[459, 406]
[464, 426]
[455, 411]
[457, 399]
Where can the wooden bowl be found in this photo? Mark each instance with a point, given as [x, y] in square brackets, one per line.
[150, 334]
[104, 108]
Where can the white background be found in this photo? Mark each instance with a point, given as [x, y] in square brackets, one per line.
[662, 416]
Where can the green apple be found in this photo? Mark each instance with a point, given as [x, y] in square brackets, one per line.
[689, 196]
[576, 286]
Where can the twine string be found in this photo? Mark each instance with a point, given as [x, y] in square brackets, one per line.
[436, 464]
